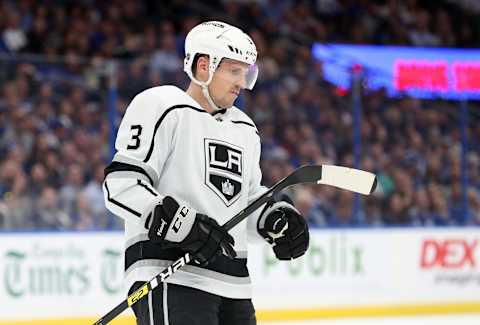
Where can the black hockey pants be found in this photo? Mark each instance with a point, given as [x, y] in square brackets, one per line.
[171, 304]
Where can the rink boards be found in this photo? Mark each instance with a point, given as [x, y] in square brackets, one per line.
[346, 273]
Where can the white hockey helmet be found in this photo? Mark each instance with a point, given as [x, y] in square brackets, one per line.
[219, 40]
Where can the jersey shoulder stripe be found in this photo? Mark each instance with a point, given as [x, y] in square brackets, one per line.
[246, 123]
[157, 125]
[239, 117]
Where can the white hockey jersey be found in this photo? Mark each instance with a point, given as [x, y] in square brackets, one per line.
[168, 145]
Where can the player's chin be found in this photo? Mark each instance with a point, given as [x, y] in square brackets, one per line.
[233, 98]
[229, 102]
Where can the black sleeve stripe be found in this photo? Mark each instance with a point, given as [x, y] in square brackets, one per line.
[116, 166]
[145, 186]
[120, 204]
[147, 250]
[157, 125]
[246, 123]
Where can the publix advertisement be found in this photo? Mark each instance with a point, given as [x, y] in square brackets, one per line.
[376, 268]
[79, 275]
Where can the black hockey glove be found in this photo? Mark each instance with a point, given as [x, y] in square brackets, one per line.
[285, 229]
[172, 225]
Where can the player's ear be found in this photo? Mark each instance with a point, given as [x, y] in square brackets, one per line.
[202, 68]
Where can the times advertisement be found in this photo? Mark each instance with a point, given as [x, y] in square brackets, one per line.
[50, 275]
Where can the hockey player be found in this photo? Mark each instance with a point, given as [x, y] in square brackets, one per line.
[186, 162]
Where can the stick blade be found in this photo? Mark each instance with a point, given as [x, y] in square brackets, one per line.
[350, 179]
[305, 174]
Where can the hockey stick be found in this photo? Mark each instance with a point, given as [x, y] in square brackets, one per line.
[342, 177]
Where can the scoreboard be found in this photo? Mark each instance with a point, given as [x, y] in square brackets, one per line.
[404, 71]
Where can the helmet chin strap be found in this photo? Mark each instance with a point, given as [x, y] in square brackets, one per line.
[205, 92]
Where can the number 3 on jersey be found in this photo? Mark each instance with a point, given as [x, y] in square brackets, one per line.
[136, 132]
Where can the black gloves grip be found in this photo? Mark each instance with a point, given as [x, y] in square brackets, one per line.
[285, 229]
[172, 225]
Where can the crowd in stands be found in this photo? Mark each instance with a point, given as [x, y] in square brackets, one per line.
[54, 120]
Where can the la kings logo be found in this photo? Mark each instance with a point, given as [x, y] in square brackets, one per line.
[223, 169]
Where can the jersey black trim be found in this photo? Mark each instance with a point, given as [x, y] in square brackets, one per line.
[220, 111]
[246, 123]
[139, 182]
[147, 250]
[120, 204]
[157, 125]
[117, 166]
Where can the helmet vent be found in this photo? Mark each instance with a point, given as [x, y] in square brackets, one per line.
[235, 50]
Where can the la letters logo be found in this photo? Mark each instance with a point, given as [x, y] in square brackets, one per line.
[224, 169]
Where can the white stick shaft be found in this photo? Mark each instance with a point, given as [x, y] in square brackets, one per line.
[350, 179]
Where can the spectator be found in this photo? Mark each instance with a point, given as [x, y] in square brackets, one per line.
[38, 180]
[13, 36]
[421, 34]
[93, 194]
[47, 212]
[71, 189]
[83, 214]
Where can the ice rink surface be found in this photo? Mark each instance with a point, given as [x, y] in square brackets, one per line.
[471, 319]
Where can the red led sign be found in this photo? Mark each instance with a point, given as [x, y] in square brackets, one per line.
[466, 76]
[420, 74]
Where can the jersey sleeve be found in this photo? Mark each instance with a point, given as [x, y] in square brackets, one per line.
[255, 190]
[144, 141]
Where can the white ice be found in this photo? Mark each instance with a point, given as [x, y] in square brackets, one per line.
[467, 319]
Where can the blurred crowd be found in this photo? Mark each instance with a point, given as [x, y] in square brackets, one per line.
[54, 120]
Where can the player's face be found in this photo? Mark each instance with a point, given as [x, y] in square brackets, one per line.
[229, 78]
